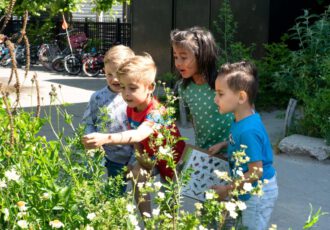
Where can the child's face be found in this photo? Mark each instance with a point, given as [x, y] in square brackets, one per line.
[112, 79]
[185, 61]
[226, 99]
[136, 94]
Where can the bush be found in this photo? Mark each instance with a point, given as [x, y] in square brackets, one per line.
[305, 73]
[270, 92]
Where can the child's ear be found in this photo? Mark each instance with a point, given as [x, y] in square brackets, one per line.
[242, 97]
[152, 87]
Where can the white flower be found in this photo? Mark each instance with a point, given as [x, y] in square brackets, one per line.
[260, 192]
[161, 195]
[200, 227]
[45, 196]
[273, 227]
[155, 212]
[129, 175]
[137, 228]
[21, 206]
[12, 175]
[140, 185]
[148, 185]
[21, 214]
[158, 185]
[247, 187]
[22, 223]
[198, 206]
[230, 206]
[165, 151]
[241, 205]
[130, 208]
[143, 172]
[240, 173]
[233, 214]
[221, 175]
[91, 216]
[89, 227]
[133, 219]
[168, 215]
[3, 184]
[146, 214]
[6, 212]
[243, 146]
[209, 195]
[56, 224]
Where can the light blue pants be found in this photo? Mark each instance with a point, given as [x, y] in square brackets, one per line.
[259, 209]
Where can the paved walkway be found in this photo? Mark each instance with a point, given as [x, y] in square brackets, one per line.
[302, 180]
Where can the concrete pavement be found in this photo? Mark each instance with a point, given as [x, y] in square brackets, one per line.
[302, 180]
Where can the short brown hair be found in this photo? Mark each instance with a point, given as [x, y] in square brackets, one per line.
[139, 67]
[117, 55]
[241, 76]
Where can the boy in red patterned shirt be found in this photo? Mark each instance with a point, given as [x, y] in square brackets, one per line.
[145, 115]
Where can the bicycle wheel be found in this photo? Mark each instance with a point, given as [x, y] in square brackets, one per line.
[72, 64]
[58, 64]
[90, 69]
[45, 57]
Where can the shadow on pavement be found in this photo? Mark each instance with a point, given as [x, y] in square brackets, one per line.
[87, 84]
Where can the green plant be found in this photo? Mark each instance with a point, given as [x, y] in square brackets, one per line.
[93, 43]
[168, 78]
[313, 218]
[306, 72]
[225, 27]
[273, 91]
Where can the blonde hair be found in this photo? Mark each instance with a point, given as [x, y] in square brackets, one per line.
[117, 55]
[140, 67]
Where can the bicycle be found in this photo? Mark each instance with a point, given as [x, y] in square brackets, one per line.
[93, 64]
[73, 62]
[49, 51]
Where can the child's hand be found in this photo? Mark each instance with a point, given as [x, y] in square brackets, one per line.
[221, 190]
[217, 147]
[94, 140]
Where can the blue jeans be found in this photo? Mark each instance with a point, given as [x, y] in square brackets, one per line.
[259, 209]
[114, 169]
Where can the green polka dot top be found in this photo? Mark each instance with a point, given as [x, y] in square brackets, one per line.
[210, 126]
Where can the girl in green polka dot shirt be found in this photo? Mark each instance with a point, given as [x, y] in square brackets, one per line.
[195, 56]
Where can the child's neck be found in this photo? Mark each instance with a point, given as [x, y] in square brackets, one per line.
[144, 105]
[243, 111]
[198, 79]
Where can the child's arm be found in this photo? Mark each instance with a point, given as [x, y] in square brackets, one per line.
[255, 168]
[217, 147]
[95, 140]
[89, 117]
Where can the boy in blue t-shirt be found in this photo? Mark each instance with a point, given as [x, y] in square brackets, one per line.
[236, 89]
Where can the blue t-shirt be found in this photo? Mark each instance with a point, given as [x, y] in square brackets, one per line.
[251, 132]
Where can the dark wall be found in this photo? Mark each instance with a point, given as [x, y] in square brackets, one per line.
[283, 14]
[151, 26]
[252, 18]
[152, 21]
[259, 21]
[189, 13]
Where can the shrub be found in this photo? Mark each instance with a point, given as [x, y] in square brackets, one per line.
[305, 72]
